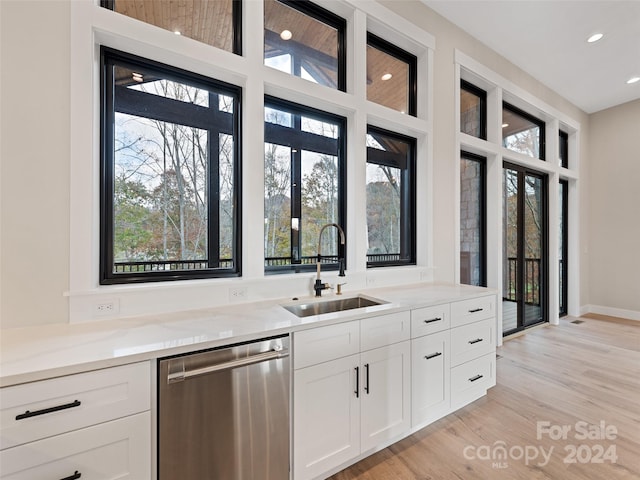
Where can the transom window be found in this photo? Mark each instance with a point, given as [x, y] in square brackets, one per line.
[304, 181]
[563, 140]
[170, 173]
[473, 110]
[214, 22]
[522, 132]
[305, 40]
[391, 75]
[390, 198]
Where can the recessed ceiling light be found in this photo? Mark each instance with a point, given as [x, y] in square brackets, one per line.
[633, 80]
[286, 35]
[386, 76]
[177, 32]
[505, 125]
[137, 76]
[595, 37]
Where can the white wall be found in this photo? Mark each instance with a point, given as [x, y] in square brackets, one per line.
[36, 132]
[613, 244]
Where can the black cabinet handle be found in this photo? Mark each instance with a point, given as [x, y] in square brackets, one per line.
[28, 414]
[366, 378]
[437, 319]
[75, 476]
[475, 310]
[475, 341]
[433, 355]
[477, 377]
[357, 392]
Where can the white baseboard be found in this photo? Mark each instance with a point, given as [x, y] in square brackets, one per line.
[610, 311]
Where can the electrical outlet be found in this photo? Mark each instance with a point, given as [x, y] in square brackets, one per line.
[238, 294]
[371, 281]
[423, 276]
[106, 308]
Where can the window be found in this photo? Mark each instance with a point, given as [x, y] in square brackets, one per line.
[521, 132]
[564, 149]
[472, 219]
[473, 110]
[305, 40]
[214, 22]
[391, 75]
[170, 173]
[563, 242]
[304, 182]
[391, 194]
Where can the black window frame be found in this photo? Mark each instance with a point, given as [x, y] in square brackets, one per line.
[564, 271]
[406, 57]
[328, 18]
[482, 96]
[482, 161]
[542, 148]
[293, 138]
[236, 22]
[563, 148]
[107, 154]
[407, 196]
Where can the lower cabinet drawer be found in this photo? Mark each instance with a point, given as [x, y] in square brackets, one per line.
[42, 409]
[472, 341]
[471, 380]
[119, 449]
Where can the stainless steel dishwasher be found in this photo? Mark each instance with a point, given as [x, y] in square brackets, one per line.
[224, 414]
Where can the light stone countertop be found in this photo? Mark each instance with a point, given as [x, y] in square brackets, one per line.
[36, 353]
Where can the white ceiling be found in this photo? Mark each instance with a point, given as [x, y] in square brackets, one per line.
[547, 39]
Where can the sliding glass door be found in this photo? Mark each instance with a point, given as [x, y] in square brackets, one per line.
[524, 290]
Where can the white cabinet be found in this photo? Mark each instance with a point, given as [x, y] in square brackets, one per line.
[430, 373]
[473, 349]
[349, 405]
[94, 424]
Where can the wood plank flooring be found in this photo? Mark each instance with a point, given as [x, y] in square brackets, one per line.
[578, 375]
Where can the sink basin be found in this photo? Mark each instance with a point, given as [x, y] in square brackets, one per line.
[331, 306]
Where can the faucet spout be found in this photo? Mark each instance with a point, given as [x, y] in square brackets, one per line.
[340, 260]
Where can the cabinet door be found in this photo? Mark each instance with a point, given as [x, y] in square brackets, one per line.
[430, 378]
[119, 449]
[385, 381]
[326, 416]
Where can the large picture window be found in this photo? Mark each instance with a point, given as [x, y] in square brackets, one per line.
[304, 182]
[391, 193]
[305, 40]
[522, 132]
[170, 173]
[214, 22]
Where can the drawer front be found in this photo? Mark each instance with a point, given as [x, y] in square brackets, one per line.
[325, 343]
[41, 409]
[430, 377]
[425, 321]
[118, 449]
[471, 380]
[472, 310]
[472, 341]
[384, 330]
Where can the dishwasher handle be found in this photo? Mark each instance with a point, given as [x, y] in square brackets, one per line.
[240, 362]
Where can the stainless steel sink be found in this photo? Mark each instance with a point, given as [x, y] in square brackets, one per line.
[331, 306]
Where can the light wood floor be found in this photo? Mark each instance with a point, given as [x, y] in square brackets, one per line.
[588, 372]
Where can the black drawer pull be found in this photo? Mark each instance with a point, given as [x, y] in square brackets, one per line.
[433, 355]
[477, 377]
[475, 310]
[475, 341]
[437, 319]
[75, 476]
[27, 414]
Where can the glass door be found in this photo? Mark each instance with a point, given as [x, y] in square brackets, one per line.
[524, 248]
